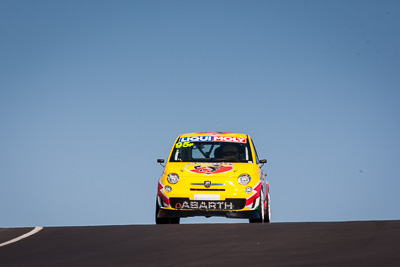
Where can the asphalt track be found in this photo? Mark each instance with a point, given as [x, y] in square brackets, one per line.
[365, 243]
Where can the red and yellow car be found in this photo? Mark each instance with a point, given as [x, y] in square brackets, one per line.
[213, 174]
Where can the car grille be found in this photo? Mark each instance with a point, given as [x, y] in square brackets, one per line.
[205, 189]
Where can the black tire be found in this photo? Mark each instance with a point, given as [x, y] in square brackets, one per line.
[267, 213]
[166, 220]
[160, 220]
[259, 220]
[174, 220]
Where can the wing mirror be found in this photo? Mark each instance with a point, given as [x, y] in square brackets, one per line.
[161, 161]
[262, 161]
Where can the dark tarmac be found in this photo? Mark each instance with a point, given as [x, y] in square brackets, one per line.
[365, 243]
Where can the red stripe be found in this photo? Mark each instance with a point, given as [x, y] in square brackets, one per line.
[255, 196]
[160, 194]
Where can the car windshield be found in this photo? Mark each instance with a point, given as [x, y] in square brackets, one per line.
[211, 152]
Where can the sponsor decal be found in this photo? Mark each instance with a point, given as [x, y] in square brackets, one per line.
[215, 133]
[211, 204]
[196, 139]
[205, 205]
[231, 139]
[208, 169]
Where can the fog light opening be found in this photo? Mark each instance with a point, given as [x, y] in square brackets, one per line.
[167, 189]
[248, 189]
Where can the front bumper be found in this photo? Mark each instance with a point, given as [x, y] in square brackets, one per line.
[229, 208]
[252, 214]
[227, 204]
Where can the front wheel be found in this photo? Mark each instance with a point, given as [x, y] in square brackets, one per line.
[174, 220]
[267, 213]
[264, 212]
[260, 211]
[165, 220]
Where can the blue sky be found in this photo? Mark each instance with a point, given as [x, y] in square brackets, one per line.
[93, 92]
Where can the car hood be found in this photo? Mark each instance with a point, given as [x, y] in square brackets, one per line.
[206, 169]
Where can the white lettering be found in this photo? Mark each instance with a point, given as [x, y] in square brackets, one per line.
[203, 205]
[212, 205]
[185, 205]
[206, 205]
[230, 206]
[218, 138]
[229, 139]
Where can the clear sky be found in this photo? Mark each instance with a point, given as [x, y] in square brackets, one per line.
[93, 92]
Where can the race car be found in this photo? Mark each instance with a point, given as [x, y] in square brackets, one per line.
[213, 174]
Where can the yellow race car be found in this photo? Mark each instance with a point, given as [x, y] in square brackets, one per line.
[213, 174]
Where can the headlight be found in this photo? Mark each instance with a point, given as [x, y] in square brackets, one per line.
[173, 178]
[244, 179]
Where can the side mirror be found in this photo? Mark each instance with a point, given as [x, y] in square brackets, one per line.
[262, 161]
[161, 161]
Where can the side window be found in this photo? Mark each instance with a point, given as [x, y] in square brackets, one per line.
[255, 151]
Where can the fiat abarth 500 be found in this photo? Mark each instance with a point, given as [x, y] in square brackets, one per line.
[213, 174]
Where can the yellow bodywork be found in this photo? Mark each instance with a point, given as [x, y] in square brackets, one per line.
[227, 181]
[224, 182]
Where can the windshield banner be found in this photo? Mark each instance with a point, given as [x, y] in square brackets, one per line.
[213, 139]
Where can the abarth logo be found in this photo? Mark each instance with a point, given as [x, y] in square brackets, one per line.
[208, 169]
[207, 205]
[207, 184]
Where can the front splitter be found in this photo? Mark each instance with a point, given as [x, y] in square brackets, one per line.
[251, 214]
